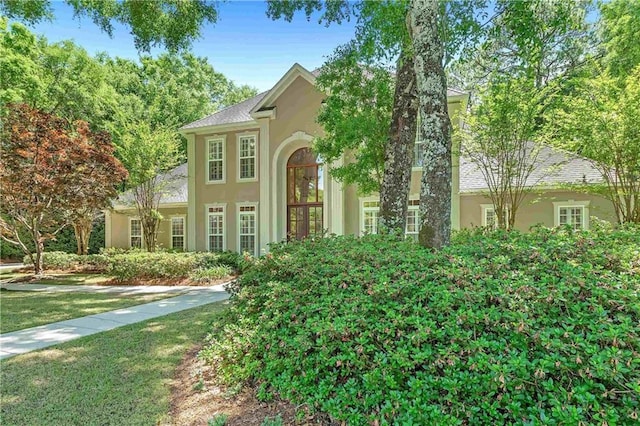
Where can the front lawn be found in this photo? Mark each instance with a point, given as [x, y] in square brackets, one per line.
[120, 377]
[25, 309]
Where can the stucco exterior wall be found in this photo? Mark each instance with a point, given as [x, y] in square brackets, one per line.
[537, 208]
[229, 193]
[119, 226]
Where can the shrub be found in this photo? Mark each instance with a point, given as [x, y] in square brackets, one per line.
[499, 328]
[139, 264]
[59, 260]
[210, 274]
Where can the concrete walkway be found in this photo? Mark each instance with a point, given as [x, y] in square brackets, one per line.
[127, 290]
[31, 339]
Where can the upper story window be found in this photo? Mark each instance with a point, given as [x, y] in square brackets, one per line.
[572, 213]
[216, 160]
[247, 157]
[135, 233]
[418, 147]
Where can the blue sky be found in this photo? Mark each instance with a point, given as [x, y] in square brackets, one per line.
[244, 44]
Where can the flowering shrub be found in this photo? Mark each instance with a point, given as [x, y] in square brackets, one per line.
[499, 328]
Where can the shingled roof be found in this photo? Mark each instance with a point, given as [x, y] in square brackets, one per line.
[553, 168]
[175, 192]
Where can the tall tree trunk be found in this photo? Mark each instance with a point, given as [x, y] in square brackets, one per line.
[435, 189]
[398, 156]
[82, 227]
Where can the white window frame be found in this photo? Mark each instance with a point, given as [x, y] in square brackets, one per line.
[184, 231]
[364, 209]
[131, 219]
[413, 206]
[239, 138]
[223, 141]
[490, 208]
[224, 223]
[584, 205]
[255, 229]
[417, 142]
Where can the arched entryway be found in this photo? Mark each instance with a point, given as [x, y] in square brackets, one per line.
[305, 195]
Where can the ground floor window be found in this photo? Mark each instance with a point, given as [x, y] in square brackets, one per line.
[247, 240]
[135, 233]
[572, 213]
[177, 233]
[489, 216]
[215, 228]
[370, 217]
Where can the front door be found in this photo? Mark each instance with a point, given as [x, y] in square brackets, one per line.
[304, 195]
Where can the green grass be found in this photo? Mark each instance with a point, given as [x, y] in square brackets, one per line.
[24, 309]
[120, 377]
[60, 279]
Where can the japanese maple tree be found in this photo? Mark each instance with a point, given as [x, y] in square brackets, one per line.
[51, 174]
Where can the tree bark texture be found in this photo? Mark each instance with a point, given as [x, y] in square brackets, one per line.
[82, 227]
[398, 158]
[435, 129]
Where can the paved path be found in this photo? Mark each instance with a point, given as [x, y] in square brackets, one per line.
[30, 339]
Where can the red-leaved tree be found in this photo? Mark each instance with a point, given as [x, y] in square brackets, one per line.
[51, 175]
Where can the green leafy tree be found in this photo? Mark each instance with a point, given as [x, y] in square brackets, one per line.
[148, 153]
[59, 78]
[600, 122]
[161, 23]
[620, 32]
[500, 136]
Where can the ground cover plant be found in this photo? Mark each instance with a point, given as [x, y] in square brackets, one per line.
[500, 328]
[119, 377]
[24, 309]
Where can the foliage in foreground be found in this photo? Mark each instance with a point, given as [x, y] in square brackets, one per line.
[125, 265]
[499, 328]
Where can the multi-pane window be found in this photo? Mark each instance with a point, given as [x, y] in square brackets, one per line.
[177, 233]
[135, 233]
[490, 218]
[413, 219]
[371, 216]
[215, 160]
[216, 228]
[247, 229]
[247, 157]
[571, 215]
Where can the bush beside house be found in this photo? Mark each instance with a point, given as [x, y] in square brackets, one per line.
[126, 265]
[499, 328]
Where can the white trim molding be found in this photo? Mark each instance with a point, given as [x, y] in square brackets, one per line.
[256, 225]
[222, 139]
[288, 146]
[239, 139]
[108, 242]
[265, 182]
[222, 213]
[191, 192]
[571, 204]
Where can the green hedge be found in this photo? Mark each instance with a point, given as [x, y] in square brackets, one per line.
[499, 328]
[126, 265]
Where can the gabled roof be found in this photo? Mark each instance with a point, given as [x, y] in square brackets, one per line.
[554, 168]
[238, 113]
[242, 112]
[175, 191]
[294, 72]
